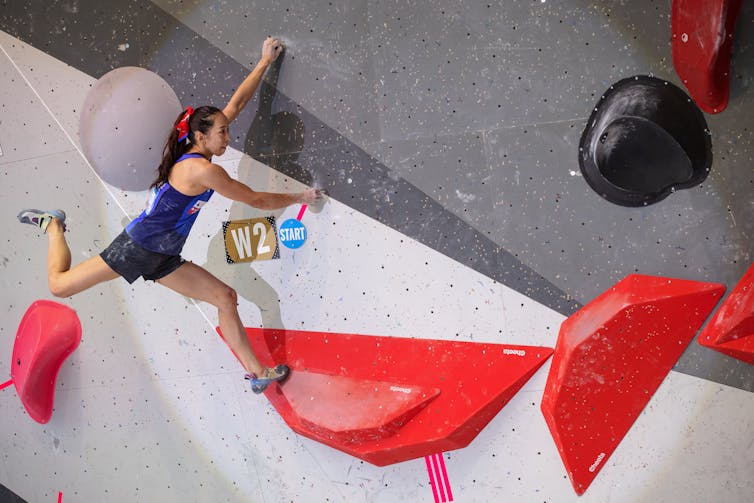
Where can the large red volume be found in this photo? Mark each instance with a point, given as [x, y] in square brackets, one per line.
[610, 358]
[47, 334]
[702, 40]
[731, 330]
[390, 399]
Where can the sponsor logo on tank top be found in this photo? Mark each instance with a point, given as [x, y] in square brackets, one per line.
[197, 206]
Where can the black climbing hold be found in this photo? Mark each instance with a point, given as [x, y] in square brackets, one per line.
[644, 139]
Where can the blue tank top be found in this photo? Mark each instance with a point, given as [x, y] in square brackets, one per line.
[165, 224]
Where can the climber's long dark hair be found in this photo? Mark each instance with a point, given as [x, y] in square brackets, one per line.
[201, 120]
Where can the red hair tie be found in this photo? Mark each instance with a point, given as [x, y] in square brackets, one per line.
[183, 124]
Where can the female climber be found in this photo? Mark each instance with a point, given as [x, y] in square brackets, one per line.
[150, 246]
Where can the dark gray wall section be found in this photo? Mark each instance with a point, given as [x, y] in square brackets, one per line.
[8, 496]
[479, 109]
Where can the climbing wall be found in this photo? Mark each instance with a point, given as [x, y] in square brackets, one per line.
[446, 135]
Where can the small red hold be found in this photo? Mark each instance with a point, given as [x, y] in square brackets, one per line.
[701, 55]
[731, 330]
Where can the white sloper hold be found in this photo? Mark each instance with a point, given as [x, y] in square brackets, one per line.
[126, 119]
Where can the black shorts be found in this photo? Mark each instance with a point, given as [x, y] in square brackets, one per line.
[126, 257]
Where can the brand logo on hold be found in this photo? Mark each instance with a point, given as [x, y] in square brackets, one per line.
[402, 390]
[517, 352]
[597, 462]
[196, 207]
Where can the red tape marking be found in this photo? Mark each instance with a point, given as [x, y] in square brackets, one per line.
[431, 474]
[6, 384]
[60, 497]
[445, 477]
[301, 212]
[438, 478]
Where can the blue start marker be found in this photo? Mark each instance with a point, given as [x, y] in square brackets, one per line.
[292, 233]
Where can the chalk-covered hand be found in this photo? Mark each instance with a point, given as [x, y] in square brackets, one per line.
[271, 49]
[310, 196]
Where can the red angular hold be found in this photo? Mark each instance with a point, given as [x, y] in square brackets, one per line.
[702, 40]
[391, 399]
[47, 334]
[610, 358]
[731, 330]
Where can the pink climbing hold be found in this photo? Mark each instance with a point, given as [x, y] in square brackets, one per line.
[47, 334]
